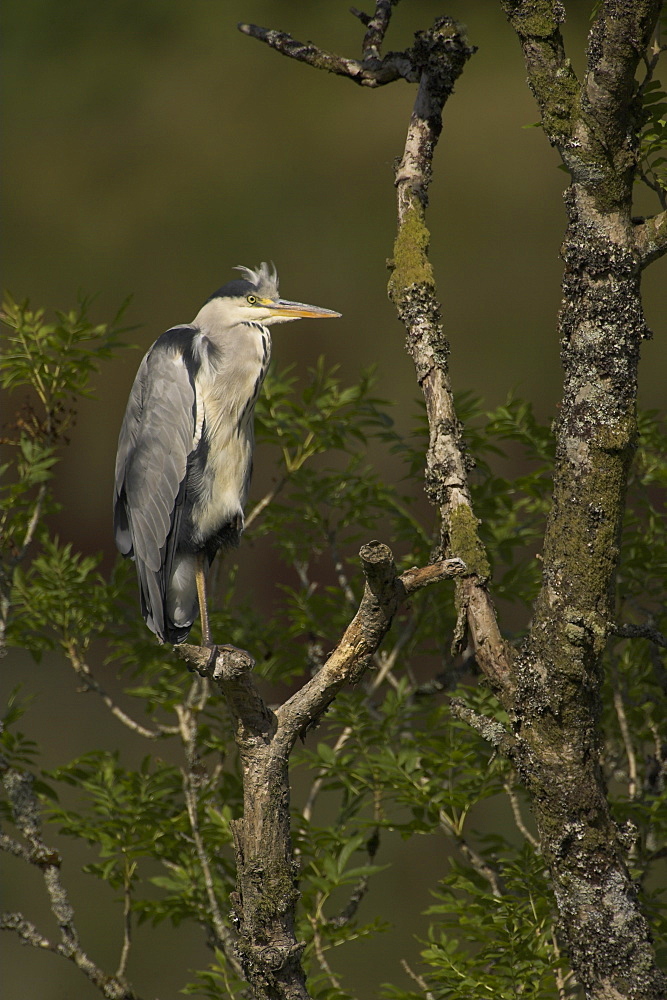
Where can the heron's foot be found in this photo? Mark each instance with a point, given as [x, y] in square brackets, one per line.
[216, 662]
[212, 656]
[216, 650]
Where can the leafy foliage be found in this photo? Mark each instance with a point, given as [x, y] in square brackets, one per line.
[499, 945]
[54, 362]
[390, 761]
[653, 138]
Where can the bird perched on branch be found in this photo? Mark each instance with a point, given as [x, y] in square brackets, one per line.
[186, 444]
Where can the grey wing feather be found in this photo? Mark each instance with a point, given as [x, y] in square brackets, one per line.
[156, 438]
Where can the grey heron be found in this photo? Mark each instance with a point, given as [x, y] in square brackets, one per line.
[185, 449]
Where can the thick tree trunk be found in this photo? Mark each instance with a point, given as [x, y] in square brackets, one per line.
[266, 893]
[556, 705]
[559, 670]
[550, 688]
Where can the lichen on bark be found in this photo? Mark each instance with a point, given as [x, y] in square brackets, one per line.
[465, 543]
[410, 264]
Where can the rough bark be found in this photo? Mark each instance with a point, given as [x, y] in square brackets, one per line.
[441, 55]
[24, 803]
[594, 125]
[266, 894]
[551, 686]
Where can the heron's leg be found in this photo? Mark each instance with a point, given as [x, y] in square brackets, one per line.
[200, 576]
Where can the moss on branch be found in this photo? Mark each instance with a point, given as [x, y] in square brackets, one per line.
[465, 542]
[411, 265]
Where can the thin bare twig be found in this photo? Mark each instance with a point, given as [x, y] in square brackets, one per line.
[419, 980]
[127, 932]
[191, 783]
[350, 909]
[619, 707]
[641, 632]
[385, 663]
[6, 576]
[262, 504]
[12, 846]
[343, 581]
[474, 859]
[321, 958]
[26, 814]
[516, 810]
[369, 72]
[376, 28]
[85, 674]
[316, 786]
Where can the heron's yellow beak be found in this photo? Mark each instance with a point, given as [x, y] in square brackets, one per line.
[297, 310]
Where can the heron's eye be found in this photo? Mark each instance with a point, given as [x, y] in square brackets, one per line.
[251, 300]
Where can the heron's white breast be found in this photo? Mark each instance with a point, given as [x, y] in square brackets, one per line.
[227, 388]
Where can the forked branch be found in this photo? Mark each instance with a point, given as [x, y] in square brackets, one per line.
[26, 815]
[369, 71]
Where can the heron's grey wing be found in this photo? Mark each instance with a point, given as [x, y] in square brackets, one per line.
[127, 441]
[155, 441]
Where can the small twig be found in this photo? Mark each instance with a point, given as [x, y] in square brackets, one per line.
[85, 674]
[421, 983]
[387, 661]
[26, 931]
[656, 51]
[364, 18]
[316, 786]
[641, 632]
[516, 810]
[654, 186]
[223, 935]
[7, 575]
[560, 978]
[417, 578]
[493, 731]
[619, 707]
[191, 782]
[301, 570]
[476, 860]
[343, 581]
[127, 933]
[377, 28]
[262, 504]
[25, 809]
[350, 909]
[370, 72]
[32, 524]
[319, 951]
[30, 855]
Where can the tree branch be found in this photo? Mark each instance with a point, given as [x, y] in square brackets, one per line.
[550, 76]
[85, 674]
[651, 238]
[25, 809]
[490, 729]
[383, 595]
[442, 53]
[376, 26]
[231, 668]
[641, 632]
[369, 72]
[555, 713]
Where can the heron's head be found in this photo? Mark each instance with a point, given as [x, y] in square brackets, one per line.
[255, 298]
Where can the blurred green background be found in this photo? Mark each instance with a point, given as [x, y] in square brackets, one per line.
[149, 147]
